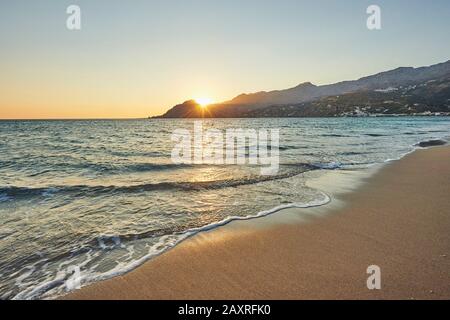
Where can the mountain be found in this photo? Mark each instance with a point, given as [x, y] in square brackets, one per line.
[303, 92]
[304, 99]
[431, 97]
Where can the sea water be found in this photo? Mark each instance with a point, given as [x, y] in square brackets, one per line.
[97, 198]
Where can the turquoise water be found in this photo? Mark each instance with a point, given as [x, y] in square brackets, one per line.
[104, 195]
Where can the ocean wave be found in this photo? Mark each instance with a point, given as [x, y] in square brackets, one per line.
[126, 167]
[60, 165]
[351, 153]
[134, 153]
[376, 135]
[164, 243]
[142, 167]
[284, 148]
[415, 133]
[336, 135]
[330, 165]
[88, 190]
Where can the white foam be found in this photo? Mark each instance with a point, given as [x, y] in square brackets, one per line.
[165, 243]
[331, 165]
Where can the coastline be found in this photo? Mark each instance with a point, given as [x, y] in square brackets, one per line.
[397, 220]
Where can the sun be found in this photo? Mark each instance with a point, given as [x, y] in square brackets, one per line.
[203, 101]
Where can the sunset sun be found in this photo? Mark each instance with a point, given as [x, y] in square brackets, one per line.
[203, 101]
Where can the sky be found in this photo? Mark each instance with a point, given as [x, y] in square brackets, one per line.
[138, 58]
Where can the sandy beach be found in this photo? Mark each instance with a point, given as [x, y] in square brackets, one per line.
[398, 219]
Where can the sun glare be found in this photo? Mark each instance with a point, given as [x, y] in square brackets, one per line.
[203, 102]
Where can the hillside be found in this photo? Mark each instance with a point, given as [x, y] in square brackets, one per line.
[399, 91]
[423, 99]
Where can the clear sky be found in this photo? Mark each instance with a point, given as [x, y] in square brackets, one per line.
[138, 58]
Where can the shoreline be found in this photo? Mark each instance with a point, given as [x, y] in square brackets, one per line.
[443, 114]
[233, 261]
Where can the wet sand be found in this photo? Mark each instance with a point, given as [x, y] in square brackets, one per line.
[398, 219]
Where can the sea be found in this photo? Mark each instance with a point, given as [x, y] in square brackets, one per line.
[86, 200]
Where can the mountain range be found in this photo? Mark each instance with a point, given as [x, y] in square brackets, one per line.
[405, 90]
